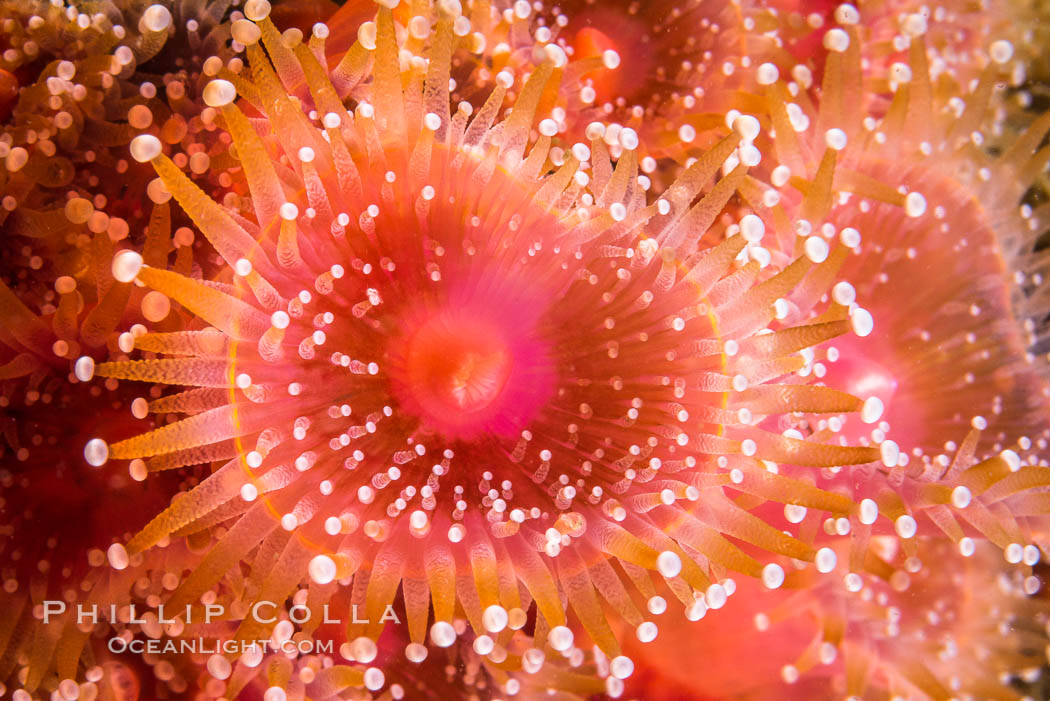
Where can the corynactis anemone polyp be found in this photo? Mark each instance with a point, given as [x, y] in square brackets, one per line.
[908, 180]
[68, 187]
[960, 335]
[60, 513]
[665, 69]
[673, 48]
[605, 376]
[64, 152]
[931, 625]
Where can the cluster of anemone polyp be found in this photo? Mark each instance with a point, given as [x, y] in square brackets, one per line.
[494, 349]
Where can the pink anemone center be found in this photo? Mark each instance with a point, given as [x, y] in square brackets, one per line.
[458, 365]
[468, 370]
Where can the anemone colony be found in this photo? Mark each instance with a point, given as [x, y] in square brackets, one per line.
[599, 349]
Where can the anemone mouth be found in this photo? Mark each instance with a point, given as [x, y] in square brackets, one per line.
[465, 371]
[458, 364]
